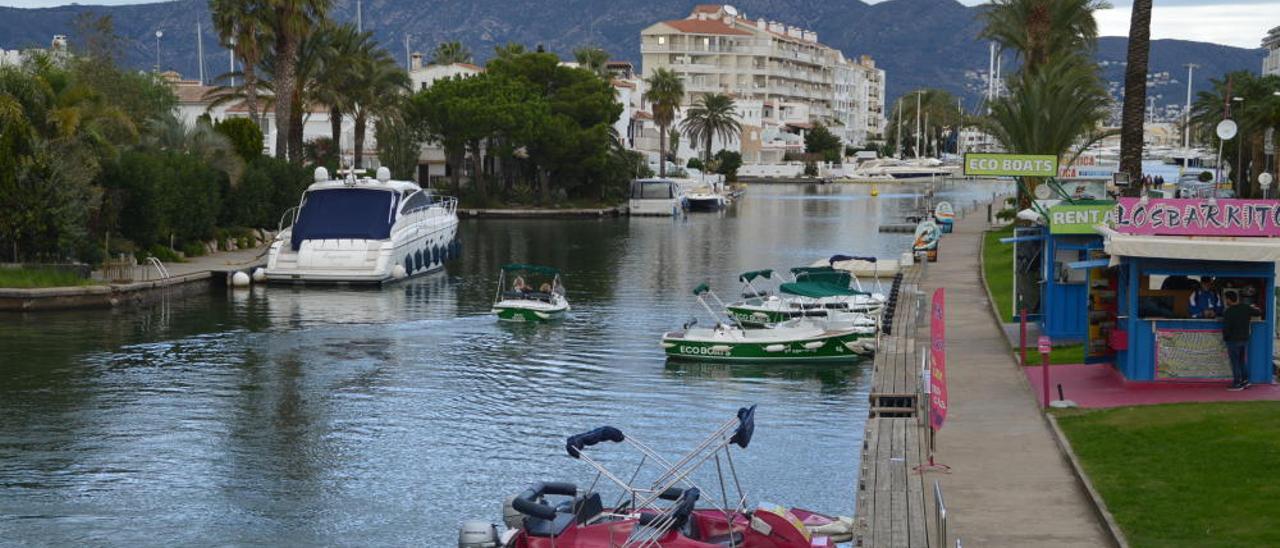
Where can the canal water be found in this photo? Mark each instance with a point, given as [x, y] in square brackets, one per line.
[386, 417]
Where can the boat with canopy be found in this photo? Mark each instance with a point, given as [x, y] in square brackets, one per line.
[535, 294]
[660, 503]
[820, 292]
[796, 340]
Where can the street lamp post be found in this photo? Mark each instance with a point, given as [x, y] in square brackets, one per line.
[158, 35]
[1186, 115]
[1240, 179]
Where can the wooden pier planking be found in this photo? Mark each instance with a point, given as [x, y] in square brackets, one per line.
[894, 504]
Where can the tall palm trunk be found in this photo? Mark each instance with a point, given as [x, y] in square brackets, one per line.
[357, 142]
[662, 150]
[285, 83]
[477, 176]
[296, 126]
[251, 93]
[707, 161]
[335, 133]
[1135, 91]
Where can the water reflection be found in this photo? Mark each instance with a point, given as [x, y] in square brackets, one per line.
[295, 415]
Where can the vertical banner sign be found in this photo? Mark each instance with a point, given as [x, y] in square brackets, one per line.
[938, 355]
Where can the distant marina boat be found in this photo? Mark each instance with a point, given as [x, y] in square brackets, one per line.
[522, 301]
[889, 169]
[363, 230]
[656, 197]
[819, 293]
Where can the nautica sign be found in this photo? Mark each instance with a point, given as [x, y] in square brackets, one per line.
[1198, 217]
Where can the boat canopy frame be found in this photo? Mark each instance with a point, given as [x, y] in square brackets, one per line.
[557, 285]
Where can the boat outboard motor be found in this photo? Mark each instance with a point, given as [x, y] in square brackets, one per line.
[478, 534]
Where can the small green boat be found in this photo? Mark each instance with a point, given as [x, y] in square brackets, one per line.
[521, 302]
[799, 340]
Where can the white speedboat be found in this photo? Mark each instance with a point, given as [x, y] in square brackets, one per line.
[659, 197]
[889, 169]
[362, 230]
[520, 302]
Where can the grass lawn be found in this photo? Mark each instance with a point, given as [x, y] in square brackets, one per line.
[1185, 475]
[25, 278]
[997, 265]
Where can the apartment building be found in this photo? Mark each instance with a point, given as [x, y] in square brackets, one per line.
[717, 49]
[1271, 64]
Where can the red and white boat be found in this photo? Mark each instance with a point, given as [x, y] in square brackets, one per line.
[670, 511]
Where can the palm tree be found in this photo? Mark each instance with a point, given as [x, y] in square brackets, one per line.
[448, 53]
[1261, 111]
[1135, 91]
[243, 26]
[509, 50]
[593, 59]
[1039, 29]
[199, 140]
[378, 84]
[291, 22]
[713, 115]
[336, 84]
[664, 90]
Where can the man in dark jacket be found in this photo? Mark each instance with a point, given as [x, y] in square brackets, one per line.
[1235, 332]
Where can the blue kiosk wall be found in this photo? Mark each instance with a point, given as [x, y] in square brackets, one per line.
[1137, 361]
[1064, 294]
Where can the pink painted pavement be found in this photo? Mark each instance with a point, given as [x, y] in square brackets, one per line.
[1101, 386]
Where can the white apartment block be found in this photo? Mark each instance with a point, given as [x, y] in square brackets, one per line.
[796, 80]
[1271, 64]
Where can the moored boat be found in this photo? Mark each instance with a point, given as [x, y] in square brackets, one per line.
[524, 301]
[796, 340]
[819, 293]
[363, 230]
[656, 197]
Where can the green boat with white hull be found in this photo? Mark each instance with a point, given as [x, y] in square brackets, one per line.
[522, 302]
[799, 340]
[818, 293]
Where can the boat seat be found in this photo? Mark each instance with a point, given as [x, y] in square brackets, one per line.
[538, 527]
[583, 508]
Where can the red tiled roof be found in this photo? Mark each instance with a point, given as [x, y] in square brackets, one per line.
[191, 93]
[642, 115]
[706, 8]
[694, 26]
[471, 66]
[623, 84]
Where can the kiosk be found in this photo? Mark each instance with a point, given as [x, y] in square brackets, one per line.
[1069, 239]
[1160, 250]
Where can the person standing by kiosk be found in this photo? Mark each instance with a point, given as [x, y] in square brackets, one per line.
[1205, 302]
[1235, 332]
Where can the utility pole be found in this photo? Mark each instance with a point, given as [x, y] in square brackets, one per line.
[158, 35]
[200, 51]
[1186, 116]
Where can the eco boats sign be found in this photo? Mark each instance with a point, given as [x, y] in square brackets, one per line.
[1183, 217]
[1010, 165]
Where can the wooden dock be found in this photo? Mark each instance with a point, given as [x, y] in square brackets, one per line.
[895, 508]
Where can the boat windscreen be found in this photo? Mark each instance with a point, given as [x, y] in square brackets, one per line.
[345, 213]
[834, 278]
[652, 190]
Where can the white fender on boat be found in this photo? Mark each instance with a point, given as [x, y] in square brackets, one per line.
[239, 279]
[811, 345]
[840, 530]
[668, 345]
[775, 348]
[259, 275]
[399, 272]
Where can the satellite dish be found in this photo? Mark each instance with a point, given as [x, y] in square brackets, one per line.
[1264, 180]
[1043, 192]
[1227, 130]
[731, 10]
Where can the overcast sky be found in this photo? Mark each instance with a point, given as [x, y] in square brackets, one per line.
[1240, 23]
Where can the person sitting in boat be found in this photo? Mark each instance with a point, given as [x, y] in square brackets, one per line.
[520, 286]
[545, 288]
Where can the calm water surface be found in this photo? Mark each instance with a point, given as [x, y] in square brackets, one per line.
[385, 417]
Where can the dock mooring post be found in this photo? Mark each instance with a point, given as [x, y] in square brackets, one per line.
[1022, 337]
[1045, 346]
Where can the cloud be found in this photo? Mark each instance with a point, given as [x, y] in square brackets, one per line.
[1241, 24]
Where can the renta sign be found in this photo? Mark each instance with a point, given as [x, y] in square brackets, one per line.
[1078, 218]
[1198, 217]
[1010, 165]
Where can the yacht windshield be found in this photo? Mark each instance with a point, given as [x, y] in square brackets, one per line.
[345, 213]
[651, 190]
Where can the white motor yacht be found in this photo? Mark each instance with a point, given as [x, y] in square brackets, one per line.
[362, 230]
[661, 197]
[889, 169]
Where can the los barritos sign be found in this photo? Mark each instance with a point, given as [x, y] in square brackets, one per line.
[1183, 217]
[1010, 165]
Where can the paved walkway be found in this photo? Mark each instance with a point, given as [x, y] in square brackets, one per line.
[1010, 484]
[221, 261]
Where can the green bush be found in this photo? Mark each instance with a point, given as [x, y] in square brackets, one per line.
[245, 136]
[158, 251]
[694, 163]
[193, 249]
[811, 170]
[268, 188]
[166, 194]
[729, 162]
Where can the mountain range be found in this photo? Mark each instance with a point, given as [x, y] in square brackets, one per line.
[919, 43]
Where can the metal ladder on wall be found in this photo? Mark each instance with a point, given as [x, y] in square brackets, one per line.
[159, 266]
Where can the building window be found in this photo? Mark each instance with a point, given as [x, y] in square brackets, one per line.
[662, 40]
